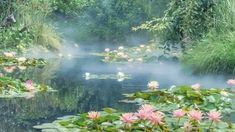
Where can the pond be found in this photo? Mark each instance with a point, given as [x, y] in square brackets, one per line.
[76, 93]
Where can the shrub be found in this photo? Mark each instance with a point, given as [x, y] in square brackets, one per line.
[213, 54]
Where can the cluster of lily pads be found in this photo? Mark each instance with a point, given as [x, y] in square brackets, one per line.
[9, 62]
[137, 54]
[120, 76]
[180, 109]
[11, 87]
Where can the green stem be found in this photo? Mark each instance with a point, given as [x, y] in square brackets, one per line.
[178, 123]
[210, 125]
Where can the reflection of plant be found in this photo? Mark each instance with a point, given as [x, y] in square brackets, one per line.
[15, 88]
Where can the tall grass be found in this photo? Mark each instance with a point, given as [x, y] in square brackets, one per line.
[33, 16]
[215, 52]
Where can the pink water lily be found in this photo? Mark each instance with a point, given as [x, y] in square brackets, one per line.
[29, 85]
[195, 115]
[128, 118]
[93, 115]
[145, 111]
[178, 113]
[9, 69]
[196, 86]
[156, 118]
[231, 82]
[214, 116]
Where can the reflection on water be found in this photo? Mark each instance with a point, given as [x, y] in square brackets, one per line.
[76, 94]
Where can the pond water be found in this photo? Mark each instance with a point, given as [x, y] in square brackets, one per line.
[77, 94]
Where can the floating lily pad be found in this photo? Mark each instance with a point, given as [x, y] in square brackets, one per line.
[11, 88]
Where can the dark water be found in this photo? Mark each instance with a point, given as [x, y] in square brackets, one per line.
[76, 94]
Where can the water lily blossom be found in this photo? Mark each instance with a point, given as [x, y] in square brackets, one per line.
[9, 54]
[187, 127]
[214, 116]
[142, 46]
[120, 48]
[178, 113]
[93, 115]
[120, 74]
[153, 85]
[196, 86]
[21, 59]
[22, 67]
[140, 59]
[29, 85]
[156, 118]
[106, 49]
[195, 115]
[128, 118]
[231, 82]
[9, 69]
[145, 111]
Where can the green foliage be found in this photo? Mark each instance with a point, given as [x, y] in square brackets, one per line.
[111, 20]
[189, 20]
[30, 28]
[212, 54]
[71, 7]
[187, 98]
[10, 88]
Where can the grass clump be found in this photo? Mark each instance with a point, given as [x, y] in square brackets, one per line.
[212, 54]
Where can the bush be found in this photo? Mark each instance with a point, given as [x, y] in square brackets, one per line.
[31, 26]
[213, 54]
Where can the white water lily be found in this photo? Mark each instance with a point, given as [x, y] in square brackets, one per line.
[120, 74]
[152, 85]
[120, 48]
[142, 46]
[140, 59]
[9, 54]
[87, 76]
[106, 49]
[22, 67]
[149, 50]
[120, 54]
[21, 59]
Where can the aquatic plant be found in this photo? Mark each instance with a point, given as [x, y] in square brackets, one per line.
[110, 120]
[176, 109]
[136, 54]
[120, 76]
[10, 88]
[186, 97]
